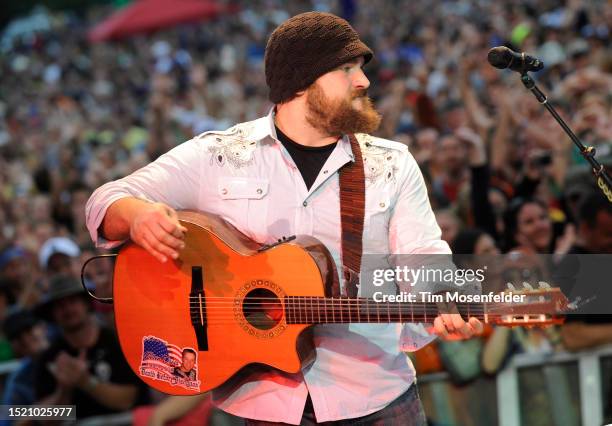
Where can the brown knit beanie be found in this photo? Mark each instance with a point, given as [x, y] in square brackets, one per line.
[305, 47]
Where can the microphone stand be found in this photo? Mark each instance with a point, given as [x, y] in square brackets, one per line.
[588, 152]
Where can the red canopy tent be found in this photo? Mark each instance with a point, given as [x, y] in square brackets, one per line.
[149, 15]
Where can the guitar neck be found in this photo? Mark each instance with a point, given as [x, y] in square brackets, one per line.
[329, 310]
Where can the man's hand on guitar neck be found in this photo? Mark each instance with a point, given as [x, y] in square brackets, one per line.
[454, 327]
[450, 325]
[153, 226]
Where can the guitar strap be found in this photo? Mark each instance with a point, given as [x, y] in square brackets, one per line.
[352, 213]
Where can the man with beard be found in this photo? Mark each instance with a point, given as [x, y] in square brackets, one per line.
[84, 365]
[280, 175]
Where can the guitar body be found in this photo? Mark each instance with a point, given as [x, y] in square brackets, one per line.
[164, 311]
[227, 304]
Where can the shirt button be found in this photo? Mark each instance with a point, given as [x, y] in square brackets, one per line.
[305, 203]
[325, 172]
[224, 191]
[259, 191]
[382, 205]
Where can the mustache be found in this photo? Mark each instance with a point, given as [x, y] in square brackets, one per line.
[359, 93]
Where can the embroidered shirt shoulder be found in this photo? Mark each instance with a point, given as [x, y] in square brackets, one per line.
[365, 139]
[381, 158]
[234, 146]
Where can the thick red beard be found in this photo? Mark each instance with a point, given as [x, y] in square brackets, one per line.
[335, 118]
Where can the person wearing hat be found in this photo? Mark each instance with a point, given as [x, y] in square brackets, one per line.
[57, 255]
[281, 175]
[27, 336]
[84, 364]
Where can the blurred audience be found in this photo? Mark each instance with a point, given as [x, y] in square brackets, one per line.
[500, 171]
[27, 336]
[84, 364]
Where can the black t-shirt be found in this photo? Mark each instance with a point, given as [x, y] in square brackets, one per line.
[106, 362]
[309, 160]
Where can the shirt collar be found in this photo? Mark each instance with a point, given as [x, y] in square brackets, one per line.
[265, 129]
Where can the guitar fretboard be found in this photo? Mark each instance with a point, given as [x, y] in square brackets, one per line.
[329, 310]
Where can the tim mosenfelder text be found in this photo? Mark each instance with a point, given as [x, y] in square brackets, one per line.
[428, 297]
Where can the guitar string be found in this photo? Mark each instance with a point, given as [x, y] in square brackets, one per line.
[350, 305]
[310, 321]
[335, 307]
[339, 306]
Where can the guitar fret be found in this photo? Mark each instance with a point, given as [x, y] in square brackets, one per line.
[346, 308]
[350, 314]
[368, 309]
[319, 308]
[325, 309]
[347, 303]
[378, 312]
[333, 310]
[341, 318]
[312, 309]
[401, 308]
[358, 310]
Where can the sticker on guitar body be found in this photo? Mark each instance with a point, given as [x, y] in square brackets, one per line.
[169, 363]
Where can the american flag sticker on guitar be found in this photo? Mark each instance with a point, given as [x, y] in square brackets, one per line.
[169, 363]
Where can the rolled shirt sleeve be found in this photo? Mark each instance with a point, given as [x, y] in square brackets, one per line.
[415, 242]
[173, 179]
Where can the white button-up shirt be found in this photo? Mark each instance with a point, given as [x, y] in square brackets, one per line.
[246, 176]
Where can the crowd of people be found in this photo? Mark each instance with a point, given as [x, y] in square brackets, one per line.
[502, 175]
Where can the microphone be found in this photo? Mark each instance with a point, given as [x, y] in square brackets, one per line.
[501, 57]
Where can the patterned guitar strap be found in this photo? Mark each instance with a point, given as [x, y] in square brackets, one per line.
[352, 213]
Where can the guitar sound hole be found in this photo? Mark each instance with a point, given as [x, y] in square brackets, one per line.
[262, 309]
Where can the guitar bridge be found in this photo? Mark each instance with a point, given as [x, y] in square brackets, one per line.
[197, 308]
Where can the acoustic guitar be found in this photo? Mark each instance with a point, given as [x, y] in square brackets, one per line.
[189, 325]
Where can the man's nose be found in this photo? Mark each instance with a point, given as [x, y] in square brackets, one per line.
[360, 81]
